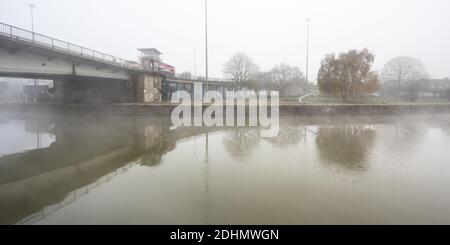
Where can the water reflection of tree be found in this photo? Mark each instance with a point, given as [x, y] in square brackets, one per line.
[445, 127]
[153, 155]
[402, 137]
[289, 135]
[443, 123]
[241, 142]
[345, 146]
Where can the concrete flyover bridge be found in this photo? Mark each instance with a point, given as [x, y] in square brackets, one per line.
[80, 74]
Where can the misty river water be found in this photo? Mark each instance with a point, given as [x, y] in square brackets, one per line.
[141, 170]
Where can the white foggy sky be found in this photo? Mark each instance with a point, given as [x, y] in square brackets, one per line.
[269, 31]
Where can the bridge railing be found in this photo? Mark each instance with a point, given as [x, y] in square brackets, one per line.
[20, 34]
[178, 76]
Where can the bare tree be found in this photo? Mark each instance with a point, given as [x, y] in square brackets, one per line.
[240, 68]
[261, 80]
[282, 75]
[403, 69]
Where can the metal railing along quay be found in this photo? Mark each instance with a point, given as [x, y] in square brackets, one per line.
[39, 40]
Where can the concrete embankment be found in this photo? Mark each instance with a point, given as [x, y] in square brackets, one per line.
[284, 109]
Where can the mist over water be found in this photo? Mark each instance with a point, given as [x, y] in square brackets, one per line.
[140, 170]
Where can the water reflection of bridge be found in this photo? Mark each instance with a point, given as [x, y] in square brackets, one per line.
[86, 153]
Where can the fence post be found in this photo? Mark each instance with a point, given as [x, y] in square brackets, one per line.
[53, 44]
[10, 31]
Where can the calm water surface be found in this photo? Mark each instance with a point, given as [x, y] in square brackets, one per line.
[319, 170]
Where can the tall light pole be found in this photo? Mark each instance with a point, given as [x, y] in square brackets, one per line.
[206, 44]
[32, 6]
[307, 49]
[207, 88]
[195, 63]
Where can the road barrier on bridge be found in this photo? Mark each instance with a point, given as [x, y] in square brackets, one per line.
[39, 40]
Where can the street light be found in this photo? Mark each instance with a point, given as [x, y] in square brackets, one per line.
[195, 63]
[32, 6]
[207, 83]
[307, 48]
[206, 44]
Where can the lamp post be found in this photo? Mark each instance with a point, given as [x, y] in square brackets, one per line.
[195, 63]
[307, 48]
[207, 88]
[32, 6]
[206, 44]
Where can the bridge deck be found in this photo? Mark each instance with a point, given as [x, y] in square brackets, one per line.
[31, 39]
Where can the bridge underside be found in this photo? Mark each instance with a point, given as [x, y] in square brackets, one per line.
[85, 90]
[142, 88]
[78, 80]
[170, 86]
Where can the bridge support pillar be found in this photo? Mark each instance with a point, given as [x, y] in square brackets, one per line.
[148, 87]
[62, 90]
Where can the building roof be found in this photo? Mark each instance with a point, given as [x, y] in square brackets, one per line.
[150, 51]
